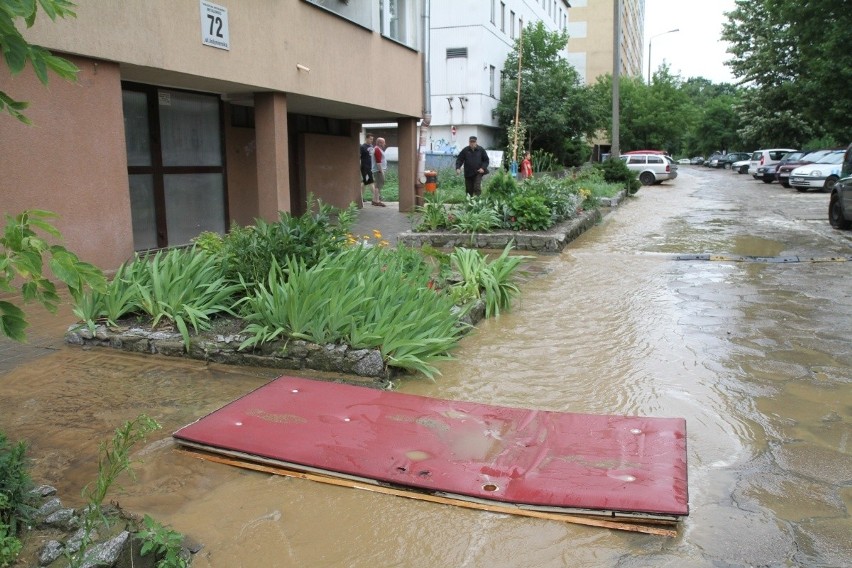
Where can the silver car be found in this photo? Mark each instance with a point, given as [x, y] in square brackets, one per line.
[652, 168]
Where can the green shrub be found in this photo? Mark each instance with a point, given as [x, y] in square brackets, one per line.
[502, 185]
[433, 214]
[531, 213]
[616, 171]
[16, 499]
[248, 251]
[544, 161]
[491, 280]
[186, 287]
[365, 297]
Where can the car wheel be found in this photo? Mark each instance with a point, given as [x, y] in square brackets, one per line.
[801, 189]
[835, 214]
[830, 183]
[767, 180]
[647, 178]
[743, 169]
[786, 184]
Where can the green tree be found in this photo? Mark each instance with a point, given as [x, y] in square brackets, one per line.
[23, 246]
[716, 127]
[658, 116]
[555, 107]
[794, 58]
[17, 52]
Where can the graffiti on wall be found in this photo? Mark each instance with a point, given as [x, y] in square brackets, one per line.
[443, 146]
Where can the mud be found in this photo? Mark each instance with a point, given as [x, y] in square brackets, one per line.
[756, 357]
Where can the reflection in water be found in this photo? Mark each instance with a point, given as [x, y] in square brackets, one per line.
[755, 356]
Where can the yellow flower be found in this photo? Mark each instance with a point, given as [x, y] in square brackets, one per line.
[377, 233]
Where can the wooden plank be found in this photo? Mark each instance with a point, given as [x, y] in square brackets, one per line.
[478, 505]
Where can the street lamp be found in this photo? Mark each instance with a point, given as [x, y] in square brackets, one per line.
[649, 50]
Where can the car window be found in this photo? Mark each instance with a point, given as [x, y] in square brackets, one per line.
[833, 158]
[636, 160]
[794, 156]
[655, 160]
[777, 154]
[755, 156]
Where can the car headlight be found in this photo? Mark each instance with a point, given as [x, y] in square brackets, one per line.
[816, 173]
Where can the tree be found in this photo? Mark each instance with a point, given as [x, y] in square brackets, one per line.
[17, 52]
[658, 116]
[793, 57]
[22, 250]
[556, 109]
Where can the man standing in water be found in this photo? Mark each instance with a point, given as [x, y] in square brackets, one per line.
[474, 158]
[366, 165]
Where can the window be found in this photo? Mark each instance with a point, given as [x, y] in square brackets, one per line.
[398, 21]
[359, 12]
[655, 160]
[503, 17]
[175, 165]
[512, 24]
[492, 80]
[493, 11]
[636, 160]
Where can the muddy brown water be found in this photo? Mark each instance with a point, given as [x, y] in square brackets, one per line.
[755, 355]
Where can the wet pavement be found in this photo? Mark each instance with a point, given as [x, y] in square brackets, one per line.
[755, 355]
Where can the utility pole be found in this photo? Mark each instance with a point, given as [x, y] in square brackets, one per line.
[615, 149]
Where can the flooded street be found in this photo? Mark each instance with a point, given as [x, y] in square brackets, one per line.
[755, 355]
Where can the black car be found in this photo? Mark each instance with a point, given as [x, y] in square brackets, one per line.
[840, 205]
[728, 159]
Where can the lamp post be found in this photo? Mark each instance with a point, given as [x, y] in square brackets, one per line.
[649, 50]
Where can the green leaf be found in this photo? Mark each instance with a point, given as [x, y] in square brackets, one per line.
[12, 321]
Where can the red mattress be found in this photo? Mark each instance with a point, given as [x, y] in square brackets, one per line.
[614, 465]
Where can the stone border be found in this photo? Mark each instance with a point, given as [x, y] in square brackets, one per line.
[552, 240]
[294, 354]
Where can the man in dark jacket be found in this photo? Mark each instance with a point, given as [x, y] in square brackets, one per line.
[475, 161]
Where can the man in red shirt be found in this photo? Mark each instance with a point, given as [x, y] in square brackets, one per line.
[380, 166]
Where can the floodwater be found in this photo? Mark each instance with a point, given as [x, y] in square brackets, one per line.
[755, 355]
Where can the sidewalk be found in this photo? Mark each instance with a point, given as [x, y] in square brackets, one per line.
[387, 220]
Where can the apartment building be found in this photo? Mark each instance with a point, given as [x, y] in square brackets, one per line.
[188, 116]
[469, 44]
[591, 37]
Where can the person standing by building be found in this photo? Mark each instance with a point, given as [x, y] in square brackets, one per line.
[474, 158]
[526, 166]
[380, 166]
[366, 165]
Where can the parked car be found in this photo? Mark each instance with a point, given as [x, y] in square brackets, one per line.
[787, 165]
[741, 167]
[683, 161]
[770, 173]
[767, 157]
[822, 174]
[728, 159]
[840, 204]
[713, 159]
[652, 168]
[697, 160]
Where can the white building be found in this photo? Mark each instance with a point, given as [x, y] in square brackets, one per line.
[470, 41]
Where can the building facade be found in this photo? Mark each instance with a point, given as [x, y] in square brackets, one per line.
[470, 41]
[590, 46]
[189, 116]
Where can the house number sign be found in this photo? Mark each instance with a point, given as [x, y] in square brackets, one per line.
[214, 25]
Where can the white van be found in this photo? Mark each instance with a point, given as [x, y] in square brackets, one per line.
[766, 158]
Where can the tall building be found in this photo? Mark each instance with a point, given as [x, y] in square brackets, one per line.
[590, 43]
[189, 116]
[470, 41]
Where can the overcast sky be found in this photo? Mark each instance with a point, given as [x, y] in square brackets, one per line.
[695, 50]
